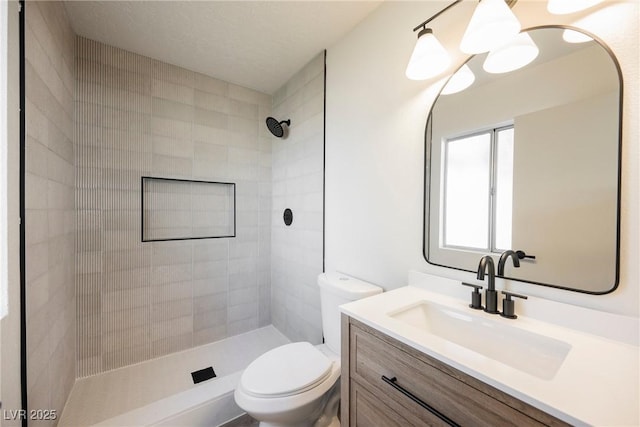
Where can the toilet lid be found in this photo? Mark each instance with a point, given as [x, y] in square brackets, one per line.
[286, 370]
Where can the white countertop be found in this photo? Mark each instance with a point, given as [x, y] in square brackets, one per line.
[597, 384]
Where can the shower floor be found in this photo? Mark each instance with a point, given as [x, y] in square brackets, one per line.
[152, 392]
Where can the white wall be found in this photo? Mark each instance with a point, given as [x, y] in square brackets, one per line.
[375, 143]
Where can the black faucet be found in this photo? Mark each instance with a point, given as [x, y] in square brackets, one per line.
[490, 295]
[503, 260]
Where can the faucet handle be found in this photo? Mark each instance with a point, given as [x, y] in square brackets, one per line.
[508, 305]
[476, 296]
[522, 255]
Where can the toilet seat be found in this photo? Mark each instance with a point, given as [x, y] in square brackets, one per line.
[286, 371]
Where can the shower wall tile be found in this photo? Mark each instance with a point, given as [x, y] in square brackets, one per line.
[204, 320]
[297, 183]
[50, 216]
[113, 359]
[241, 326]
[209, 335]
[135, 117]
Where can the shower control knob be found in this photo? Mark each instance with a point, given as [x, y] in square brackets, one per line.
[287, 216]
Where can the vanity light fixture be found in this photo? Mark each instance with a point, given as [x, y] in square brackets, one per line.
[429, 57]
[462, 79]
[563, 7]
[571, 36]
[493, 28]
[516, 53]
[492, 23]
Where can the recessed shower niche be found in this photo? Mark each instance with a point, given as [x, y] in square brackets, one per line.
[179, 209]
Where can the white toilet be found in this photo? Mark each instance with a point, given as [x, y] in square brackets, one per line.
[297, 384]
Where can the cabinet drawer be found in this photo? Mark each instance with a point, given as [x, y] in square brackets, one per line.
[372, 357]
[368, 411]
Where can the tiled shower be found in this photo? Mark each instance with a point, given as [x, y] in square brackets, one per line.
[50, 205]
[98, 119]
[141, 117]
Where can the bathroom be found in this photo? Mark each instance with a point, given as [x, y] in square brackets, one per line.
[100, 301]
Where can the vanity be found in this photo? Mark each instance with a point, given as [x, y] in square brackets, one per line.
[418, 355]
[398, 374]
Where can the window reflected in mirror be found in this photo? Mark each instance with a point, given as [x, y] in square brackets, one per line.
[478, 185]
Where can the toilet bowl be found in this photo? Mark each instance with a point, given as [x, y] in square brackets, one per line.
[298, 384]
[291, 385]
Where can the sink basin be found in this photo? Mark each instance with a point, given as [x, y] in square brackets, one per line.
[499, 339]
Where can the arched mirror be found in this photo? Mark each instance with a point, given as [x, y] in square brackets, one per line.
[529, 160]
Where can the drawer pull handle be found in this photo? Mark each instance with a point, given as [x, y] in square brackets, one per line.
[393, 383]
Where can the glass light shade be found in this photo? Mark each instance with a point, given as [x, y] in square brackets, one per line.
[571, 36]
[516, 53]
[563, 7]
[492, 23]
[461, 80]
[429, 57]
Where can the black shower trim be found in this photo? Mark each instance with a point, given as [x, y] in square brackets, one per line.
[324, 157]
[287, 216]
[23, 248]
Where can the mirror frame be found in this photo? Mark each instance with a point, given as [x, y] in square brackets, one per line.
[427, 171]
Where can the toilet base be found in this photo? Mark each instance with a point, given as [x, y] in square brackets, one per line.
[335, 422]
[326, 414]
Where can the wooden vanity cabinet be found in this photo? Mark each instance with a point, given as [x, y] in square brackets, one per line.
[387, 383]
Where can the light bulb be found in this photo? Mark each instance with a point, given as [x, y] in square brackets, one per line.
[517, 53]
[462, 79]
[563, 7]
[492, 24]
[429, 57]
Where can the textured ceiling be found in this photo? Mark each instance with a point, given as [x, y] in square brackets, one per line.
[256, 44]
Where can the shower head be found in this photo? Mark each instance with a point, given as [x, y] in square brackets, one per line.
[276, 128]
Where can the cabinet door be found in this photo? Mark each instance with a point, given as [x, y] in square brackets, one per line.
[373, 358]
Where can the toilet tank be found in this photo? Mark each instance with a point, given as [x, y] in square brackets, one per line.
[337, 289]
